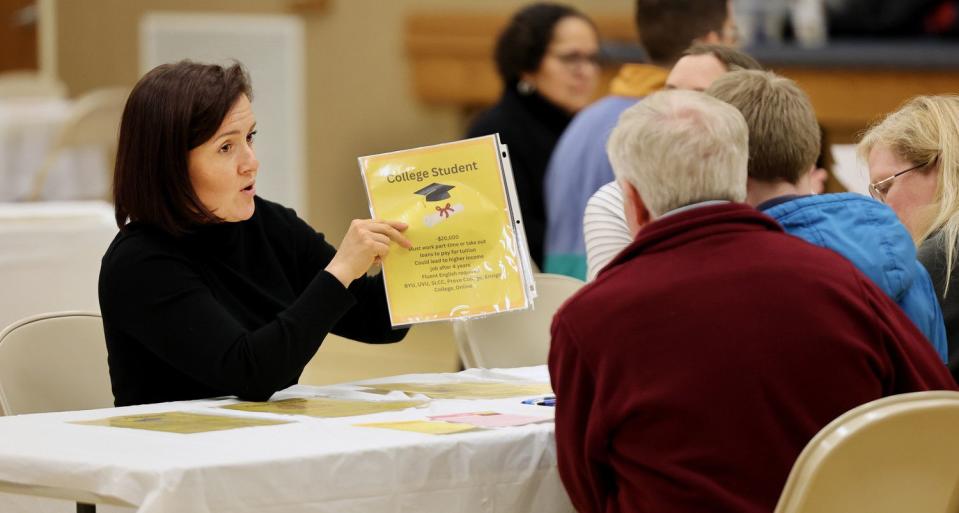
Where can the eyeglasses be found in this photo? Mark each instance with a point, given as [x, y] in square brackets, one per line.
[879, 189]
[576, 59]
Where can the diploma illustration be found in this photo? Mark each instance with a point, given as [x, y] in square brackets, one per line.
[468, 258]
[437, 192]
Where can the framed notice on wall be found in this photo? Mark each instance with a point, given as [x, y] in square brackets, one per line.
[469, 255]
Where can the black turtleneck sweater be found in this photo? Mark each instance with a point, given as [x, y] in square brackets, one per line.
[231, 309]
[530, 125]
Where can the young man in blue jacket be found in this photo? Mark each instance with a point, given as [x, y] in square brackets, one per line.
[784, 142]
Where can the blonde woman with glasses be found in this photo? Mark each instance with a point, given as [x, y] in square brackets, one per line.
[913, 157]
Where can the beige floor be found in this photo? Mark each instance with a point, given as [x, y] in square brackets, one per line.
[427, 348]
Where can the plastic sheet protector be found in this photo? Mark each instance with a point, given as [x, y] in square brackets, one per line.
[490, 419]
[469, 255]
[180, 422]
[324, 407]
[466, 390]
[429, 427]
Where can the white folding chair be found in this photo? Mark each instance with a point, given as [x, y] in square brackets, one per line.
[94, 123]
[515, 339]
[54, 362]
[895, 454]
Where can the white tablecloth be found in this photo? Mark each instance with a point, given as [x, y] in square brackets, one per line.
[28, 129]
[316, 465]
[50, 256]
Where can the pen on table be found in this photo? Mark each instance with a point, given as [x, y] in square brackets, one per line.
[542, 401]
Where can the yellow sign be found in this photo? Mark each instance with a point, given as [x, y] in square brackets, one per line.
[180, 422]
[467, 259]
[324, 407]
[429, 427]
[479, 390]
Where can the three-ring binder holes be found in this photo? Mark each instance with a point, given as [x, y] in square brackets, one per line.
[504, 156]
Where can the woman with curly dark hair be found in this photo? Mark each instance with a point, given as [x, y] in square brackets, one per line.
[547, 57]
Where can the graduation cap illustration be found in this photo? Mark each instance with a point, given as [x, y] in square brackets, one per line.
[435, 192]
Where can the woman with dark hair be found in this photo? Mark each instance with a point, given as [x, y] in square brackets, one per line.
[547, 57]
[209, 290]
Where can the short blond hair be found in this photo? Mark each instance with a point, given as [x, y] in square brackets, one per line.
[784, 135]
[681, 147]
[926, 130]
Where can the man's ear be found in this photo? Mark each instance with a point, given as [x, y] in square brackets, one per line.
[804, 183]
[637, 215]
[815, 180]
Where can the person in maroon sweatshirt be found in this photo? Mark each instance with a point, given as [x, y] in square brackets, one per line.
[690, 375]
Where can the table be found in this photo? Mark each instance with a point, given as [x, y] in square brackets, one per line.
[312, 464]
[28, 129]
[50, 256]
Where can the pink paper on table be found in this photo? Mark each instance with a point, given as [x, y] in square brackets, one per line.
[490, 419]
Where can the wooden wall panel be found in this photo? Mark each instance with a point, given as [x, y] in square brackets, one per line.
[451, 61]
[18, 35]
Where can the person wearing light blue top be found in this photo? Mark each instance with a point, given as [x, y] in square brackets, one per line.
[578, 166]
[575, 157]
[784, 142]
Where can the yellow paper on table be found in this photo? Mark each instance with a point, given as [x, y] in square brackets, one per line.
[180, 422]
[468, 258]
[430, 427]
[480, 390]
[324, 407]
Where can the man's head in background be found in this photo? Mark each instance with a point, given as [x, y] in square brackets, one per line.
[605, 229]
[703, 63]
[667, 27]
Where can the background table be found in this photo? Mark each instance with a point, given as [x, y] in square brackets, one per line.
[50, 256]
[317, 465]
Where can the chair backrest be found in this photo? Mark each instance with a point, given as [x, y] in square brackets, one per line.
[515, 339]
[29, 83]
[896, 454]
[94, 122]
[54, 362]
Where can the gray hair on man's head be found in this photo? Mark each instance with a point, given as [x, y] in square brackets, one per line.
[681, 147]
